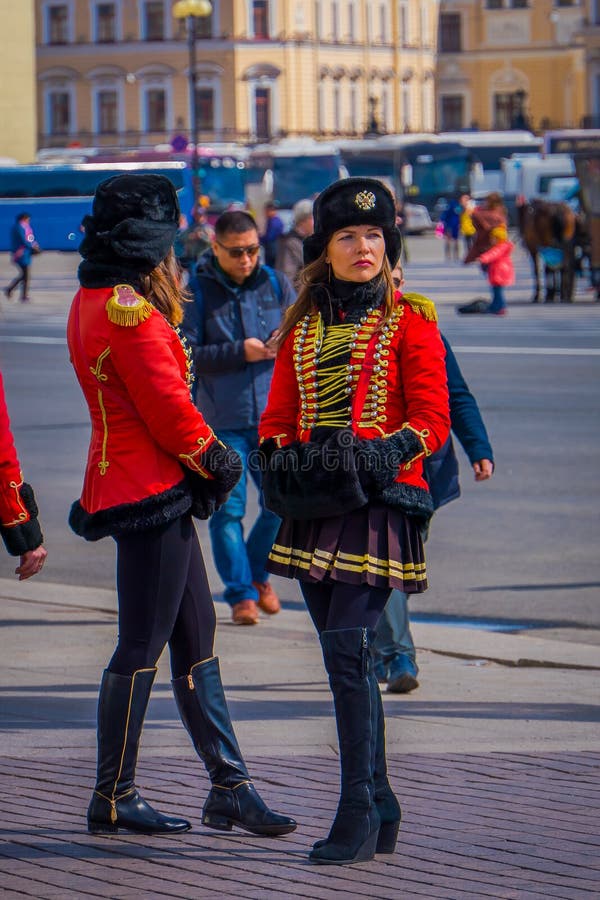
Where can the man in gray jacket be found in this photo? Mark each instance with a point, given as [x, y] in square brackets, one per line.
[231, 326]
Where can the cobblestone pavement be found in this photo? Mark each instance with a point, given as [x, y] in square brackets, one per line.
[498, 825]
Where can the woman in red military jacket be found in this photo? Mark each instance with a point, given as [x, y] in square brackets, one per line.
[18, 510]
[152, 463]
[358, 400]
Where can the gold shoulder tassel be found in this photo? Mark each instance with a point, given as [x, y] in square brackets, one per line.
[126, 307]
[422, 305]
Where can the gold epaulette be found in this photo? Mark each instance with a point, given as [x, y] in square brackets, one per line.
[126, 307]
[422, 305]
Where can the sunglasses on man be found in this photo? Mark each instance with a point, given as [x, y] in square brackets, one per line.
[238, 252]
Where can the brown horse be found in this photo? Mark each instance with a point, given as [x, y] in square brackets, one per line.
[548, 229]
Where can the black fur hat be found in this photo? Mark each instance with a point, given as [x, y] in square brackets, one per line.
[131, 230]
[354, 201]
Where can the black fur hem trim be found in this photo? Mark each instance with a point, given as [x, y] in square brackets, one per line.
[413, 500]
[159, 509]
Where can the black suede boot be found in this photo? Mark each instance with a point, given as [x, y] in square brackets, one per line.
[353, 835]
[386, 802]
[233, 799]
[116, 802]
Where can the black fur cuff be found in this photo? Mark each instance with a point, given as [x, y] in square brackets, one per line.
[378, 460]
[413, 500]
[27, 536]
[224, 464]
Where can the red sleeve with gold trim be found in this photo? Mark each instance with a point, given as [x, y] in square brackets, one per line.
[279, 420]
[144, 358]
[12, 510]
[424, 382]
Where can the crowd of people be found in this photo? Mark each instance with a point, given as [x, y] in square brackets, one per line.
[296, 361]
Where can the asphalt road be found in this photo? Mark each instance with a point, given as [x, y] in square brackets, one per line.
[518, 552]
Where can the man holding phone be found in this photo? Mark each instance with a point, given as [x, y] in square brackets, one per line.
[232, 327]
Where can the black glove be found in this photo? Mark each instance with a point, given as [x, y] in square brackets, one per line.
[378, 460]
[27, 536]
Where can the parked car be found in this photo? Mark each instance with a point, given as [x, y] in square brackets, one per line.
[418, 219]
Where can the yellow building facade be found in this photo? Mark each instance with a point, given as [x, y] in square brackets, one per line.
[18, 132]
[512, 63]
[117, 73]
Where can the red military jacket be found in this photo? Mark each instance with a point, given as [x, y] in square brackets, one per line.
[396, 376]
[12, 509]
[135, 376]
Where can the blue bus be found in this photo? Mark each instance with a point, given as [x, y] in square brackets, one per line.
[57, 197]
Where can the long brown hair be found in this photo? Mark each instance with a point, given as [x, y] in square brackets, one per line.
[318, 272]
[162, 287]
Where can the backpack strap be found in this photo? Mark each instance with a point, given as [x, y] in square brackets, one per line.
[275, 283]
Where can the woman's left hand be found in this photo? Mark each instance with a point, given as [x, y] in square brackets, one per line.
[31, 563]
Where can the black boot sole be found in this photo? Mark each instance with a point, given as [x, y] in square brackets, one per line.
[222, 823]
[109, 828]
[365, 853]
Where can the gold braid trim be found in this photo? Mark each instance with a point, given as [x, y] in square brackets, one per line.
[422, 305]
[126, 307]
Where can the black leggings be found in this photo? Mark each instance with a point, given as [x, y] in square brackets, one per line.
[333, 604]
[164, 596]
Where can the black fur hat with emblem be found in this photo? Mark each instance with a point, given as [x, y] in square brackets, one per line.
[131, 230]
[354, 201]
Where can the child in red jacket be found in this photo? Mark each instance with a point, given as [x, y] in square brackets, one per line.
[500, 271]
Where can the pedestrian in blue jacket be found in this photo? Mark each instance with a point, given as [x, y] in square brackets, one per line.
[22, 246]
[232, 327]
[395, 652]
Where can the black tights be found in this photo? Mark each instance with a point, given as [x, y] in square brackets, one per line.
[333, 604]
[164, 596]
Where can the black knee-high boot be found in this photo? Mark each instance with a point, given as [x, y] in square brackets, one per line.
[233, 799]
[386, 802]
[353, 835]
[116, 802]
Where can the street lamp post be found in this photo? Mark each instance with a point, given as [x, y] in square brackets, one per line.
[192, 10]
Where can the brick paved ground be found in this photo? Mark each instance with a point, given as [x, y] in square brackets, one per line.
[498, 825]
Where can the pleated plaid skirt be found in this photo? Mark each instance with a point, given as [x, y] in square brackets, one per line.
[374, 545]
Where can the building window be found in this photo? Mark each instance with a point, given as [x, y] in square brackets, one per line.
[260, 18]
[58, 24]
[495, 4]
[262, 111]
[154, 21]
[403, 24]
[59, 108]
[351, 21]
[337, 109]
[205, 108]
[107, 112]
[353, 108]
[106, 23]
[335, 20]
[383, 28]
[520, 4]
[450, 40]
[406, 106]
[156, 109]
[204, 26]
[452, 110]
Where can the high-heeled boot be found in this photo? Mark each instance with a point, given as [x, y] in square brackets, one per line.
[353, 835]
[116, 802]
[386, 802]
[233, 799]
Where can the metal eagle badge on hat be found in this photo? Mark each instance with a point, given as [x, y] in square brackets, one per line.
[365, 200]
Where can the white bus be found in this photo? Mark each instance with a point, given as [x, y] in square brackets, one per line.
[490, 148]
